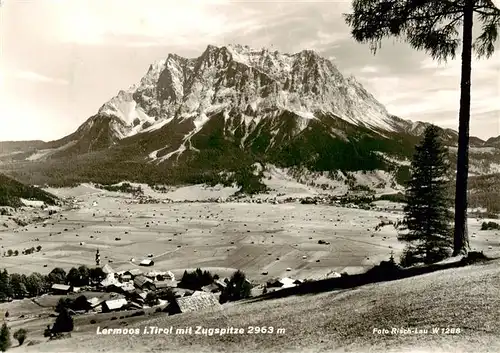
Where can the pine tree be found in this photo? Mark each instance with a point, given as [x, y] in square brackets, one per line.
[64, 322]
[238, 288]
[5, 287]
[5, 342]
[427, 210]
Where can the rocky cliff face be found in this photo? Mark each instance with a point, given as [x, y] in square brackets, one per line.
[239, 81]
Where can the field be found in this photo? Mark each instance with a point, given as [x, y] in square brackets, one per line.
[255, 238]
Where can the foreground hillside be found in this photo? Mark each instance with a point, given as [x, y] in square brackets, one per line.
[465, 298]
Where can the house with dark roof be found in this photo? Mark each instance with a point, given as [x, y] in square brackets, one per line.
[137, 296]
[142, 282]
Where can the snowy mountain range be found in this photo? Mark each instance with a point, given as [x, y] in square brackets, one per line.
[189, 118]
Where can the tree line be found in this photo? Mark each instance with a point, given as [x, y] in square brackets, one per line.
[19, 286]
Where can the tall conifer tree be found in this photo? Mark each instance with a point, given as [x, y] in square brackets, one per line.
[427, 212]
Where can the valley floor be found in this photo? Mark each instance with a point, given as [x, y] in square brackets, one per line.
[223, 237]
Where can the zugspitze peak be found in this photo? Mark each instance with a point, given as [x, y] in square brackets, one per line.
[240, 81]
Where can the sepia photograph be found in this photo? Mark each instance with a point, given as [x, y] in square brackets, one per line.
[250, 176]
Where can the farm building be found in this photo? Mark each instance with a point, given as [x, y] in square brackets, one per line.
[125, 278]
[196, 302]
[220, 284]
[134, 272]
[211, 288]
[161, 275]
[137, 295]
[198, 292]
[333, 275]
[61, 289]
[94, 302]
[147, 262]
[182, 292]
[113, 305]
[134, 305]
[169, 276]
[128, 286]
[285, 282]
[107, 269]
[142, 282]
[166, 284]
[110, 280]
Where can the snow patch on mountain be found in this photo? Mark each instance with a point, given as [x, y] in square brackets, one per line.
[125, 108]
[177, 152]
[43, 154]
[393, 160]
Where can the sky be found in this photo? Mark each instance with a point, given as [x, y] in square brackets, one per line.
[61, 60]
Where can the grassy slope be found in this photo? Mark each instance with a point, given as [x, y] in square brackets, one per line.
[11, 191]
[467, 298]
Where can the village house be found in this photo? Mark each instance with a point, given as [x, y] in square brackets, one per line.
[285, 282]
[182, 292]
[196, 302]
[110, 280]
[147, 262]
[137, 296]
[134, 306]
[61, 289]
[161, 275]
[107, 269]
[143, 282]
[95, 303]
[221, 284]
[113, 305]
[165, 284]
[128, 286]
[133, 273]
[211, 288]
[125, 278]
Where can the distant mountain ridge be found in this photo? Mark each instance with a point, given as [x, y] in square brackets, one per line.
[191, 119]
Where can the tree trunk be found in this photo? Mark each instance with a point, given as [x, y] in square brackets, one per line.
[461, 239]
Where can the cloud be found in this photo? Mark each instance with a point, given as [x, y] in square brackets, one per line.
[37, 78]
[92, 22]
